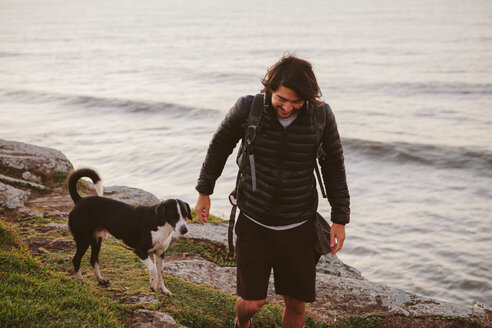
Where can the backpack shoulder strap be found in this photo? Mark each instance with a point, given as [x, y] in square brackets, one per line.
[254, 117]
[320, 121]
[256, 109]
[319, 117]
[251, 128]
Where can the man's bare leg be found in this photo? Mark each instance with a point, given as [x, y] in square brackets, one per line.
[294, 312]
[245, 310]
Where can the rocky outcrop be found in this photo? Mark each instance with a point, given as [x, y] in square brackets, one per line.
[130, 196]
[24, 166]
[341, 289]
[33, 163]
[327, 264]
[336, 296]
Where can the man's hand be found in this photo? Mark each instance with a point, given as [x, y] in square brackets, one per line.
[337, 237]
[202, 208]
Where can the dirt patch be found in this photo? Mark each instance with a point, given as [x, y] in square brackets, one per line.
[60, 245]
[55, 205]
[47, 245]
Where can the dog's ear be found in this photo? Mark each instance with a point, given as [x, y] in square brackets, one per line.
[188, 211]
[162, 208]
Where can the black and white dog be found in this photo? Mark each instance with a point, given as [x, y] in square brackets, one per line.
[146, 229]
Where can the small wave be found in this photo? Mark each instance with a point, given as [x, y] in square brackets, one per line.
[433, 155]
[131, 106]
[107, 104]
[441, 88]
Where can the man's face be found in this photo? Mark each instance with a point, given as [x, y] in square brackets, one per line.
[285, 101]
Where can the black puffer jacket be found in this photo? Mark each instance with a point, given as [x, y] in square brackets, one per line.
[285, 159]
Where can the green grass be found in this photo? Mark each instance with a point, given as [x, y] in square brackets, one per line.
[198, 306]
[213, 252]
[213, 219]
[33, 296]
[469, 322]
[60, 178]
[361, 322]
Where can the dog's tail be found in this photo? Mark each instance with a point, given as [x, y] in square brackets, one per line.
[81, 173]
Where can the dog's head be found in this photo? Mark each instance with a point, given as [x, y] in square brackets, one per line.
[174, 212]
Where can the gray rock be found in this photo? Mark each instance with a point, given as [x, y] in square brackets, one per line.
[148, 318]
[218, 233]
[332, 265]
[30, 177]
[336, 296]
[212, 232]
[132, 196]
[347, 296]
[57, 226]
[142, 299]
[40, 161]
[22, 182]
[11, 197]
[28, 212]
[204, 273]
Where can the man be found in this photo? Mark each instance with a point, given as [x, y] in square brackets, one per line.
[278, 203]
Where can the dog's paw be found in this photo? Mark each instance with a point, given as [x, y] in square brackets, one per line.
[166, 291]
[104, 282]
[79, 277]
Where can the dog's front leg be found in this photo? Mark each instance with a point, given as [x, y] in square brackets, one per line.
[153, 273]
[159, 262]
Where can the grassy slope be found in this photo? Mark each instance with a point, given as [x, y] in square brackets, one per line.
[31, 295]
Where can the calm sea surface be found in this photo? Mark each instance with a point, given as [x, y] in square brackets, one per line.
[136, 89]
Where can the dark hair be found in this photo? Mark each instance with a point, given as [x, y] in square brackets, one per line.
[296, 74]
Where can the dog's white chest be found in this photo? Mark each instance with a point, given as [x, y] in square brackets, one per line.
[161, 238]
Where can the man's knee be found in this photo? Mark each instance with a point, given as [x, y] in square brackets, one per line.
[294, 305]
[250, 306]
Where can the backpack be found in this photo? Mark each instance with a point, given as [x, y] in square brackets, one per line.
[245, 153]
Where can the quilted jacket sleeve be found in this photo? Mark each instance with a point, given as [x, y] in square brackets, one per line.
[229, 132]
[333, 171]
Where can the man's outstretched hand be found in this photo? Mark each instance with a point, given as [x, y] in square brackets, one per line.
[202, 208]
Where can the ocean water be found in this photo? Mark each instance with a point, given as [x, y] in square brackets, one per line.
[136, 89]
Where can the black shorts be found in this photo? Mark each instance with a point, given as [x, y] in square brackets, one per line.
[289, 252]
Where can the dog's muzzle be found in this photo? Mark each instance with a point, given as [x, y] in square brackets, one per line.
[183, 229]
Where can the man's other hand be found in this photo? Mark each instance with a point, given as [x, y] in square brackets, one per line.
[337, 237]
